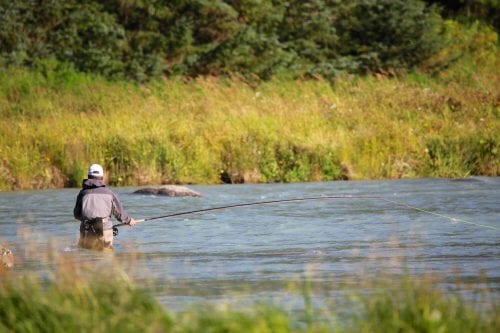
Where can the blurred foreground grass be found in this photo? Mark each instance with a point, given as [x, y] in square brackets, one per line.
[76, 297]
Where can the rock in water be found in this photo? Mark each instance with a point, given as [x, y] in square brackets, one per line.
[169, 190]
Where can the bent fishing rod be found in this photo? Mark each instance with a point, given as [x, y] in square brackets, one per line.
[324, 197]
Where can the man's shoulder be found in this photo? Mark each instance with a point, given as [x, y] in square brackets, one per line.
[101, 190]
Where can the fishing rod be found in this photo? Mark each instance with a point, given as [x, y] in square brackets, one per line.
[324, 197]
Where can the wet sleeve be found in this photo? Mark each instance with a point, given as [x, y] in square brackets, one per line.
[118, 210]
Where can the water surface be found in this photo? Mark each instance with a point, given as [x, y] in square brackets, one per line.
[254, 252]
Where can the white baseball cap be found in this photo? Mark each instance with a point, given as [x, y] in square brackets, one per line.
[96, 170]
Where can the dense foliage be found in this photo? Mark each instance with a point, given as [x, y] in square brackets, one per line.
[487, 11]
[150, 38]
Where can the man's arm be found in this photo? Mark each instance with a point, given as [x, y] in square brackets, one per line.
[77, 211]
[118, 210]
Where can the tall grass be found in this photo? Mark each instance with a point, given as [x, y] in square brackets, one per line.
[55, 122]
[72, 297]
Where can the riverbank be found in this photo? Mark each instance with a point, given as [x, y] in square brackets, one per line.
[212, 130]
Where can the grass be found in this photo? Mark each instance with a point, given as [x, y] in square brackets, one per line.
[70, 297]
[208, 129]
[56, 122]
[415, 306]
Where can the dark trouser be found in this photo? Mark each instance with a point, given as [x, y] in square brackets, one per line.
[92, 236]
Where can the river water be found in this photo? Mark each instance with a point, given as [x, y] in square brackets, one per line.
[254, 253]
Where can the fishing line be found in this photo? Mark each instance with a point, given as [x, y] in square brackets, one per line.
[454, 219]
[325, 197]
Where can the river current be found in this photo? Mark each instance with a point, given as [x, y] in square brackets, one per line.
[254, 252]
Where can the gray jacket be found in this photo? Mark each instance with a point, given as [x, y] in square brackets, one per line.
[95, 200]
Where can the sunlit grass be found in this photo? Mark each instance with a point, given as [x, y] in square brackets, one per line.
[209, 129]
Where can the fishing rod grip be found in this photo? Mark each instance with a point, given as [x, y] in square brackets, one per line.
[123, 224]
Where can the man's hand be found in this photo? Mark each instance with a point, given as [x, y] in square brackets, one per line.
[132, 222]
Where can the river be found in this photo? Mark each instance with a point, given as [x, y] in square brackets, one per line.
[253, 253]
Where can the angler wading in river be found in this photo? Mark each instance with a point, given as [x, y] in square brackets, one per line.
[95, 205]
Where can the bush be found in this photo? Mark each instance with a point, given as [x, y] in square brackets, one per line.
[148, 39]
[389, 34]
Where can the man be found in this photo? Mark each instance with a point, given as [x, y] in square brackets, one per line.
[94, 207]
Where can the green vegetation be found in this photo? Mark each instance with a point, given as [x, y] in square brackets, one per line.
[225, 91]
[56, 121]
[141, 40]
[73, 298]
[147, 39]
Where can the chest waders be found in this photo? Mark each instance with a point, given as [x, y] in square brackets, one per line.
[92, 235]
